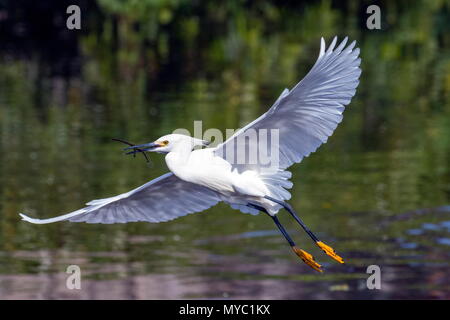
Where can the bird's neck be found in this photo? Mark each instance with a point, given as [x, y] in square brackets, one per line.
[177, 159]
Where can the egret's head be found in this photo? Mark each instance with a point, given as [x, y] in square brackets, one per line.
[168, 143]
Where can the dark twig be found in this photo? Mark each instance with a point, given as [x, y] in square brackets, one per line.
[131, 145]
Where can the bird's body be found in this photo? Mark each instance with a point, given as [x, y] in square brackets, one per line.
[299, 121]
[203, 167]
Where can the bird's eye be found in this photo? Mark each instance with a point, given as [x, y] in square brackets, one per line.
[165, 142]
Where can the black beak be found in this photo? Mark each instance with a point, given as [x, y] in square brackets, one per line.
[143, 147]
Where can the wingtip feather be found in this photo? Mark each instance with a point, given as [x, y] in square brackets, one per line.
[28, 219]
[322, 47]
[332, 45]
[352, 45]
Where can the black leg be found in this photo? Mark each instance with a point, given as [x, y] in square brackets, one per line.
[305, 256]
[277, 222]
[289, 208]
[327, 249]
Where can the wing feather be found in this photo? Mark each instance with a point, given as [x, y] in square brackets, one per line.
[162, 199]
[307, 115]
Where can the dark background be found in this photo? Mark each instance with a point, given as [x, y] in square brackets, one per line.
[378, 191]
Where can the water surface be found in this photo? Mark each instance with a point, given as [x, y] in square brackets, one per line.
[378, 192]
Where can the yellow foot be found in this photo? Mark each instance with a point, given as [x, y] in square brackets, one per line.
[308, 259]
[329, 251]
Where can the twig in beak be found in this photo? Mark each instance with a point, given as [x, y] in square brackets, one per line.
[131, 145]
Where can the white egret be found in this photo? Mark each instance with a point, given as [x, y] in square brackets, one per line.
[198, 179]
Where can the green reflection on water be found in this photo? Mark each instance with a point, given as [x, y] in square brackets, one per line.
[383, 173]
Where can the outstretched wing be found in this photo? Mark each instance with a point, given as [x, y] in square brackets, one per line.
[304, 117]
[162, 199]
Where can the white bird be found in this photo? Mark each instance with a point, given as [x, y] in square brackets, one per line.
[198, 179]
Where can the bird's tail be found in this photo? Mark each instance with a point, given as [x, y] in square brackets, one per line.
[277, 183]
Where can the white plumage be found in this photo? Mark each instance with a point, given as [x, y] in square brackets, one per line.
[305, 117]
